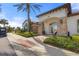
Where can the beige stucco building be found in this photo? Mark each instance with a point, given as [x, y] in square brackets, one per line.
[60, 20]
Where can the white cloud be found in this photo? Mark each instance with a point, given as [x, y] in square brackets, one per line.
[2, 15]
[13, 22]
[16, 22]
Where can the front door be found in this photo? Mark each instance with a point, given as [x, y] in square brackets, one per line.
[53, 27]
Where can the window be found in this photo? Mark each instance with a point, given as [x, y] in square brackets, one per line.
[78, 26]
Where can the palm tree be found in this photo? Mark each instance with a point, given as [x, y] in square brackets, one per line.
[28, 8]
[4, 22]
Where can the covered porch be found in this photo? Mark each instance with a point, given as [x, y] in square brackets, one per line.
[52, 25]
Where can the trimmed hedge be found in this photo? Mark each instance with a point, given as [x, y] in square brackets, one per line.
[75, 38]
[63, 42]
[27, 34]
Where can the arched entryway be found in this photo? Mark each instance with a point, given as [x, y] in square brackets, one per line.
[54, 27]
[55, 24]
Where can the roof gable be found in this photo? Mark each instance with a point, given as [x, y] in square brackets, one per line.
[67, 5]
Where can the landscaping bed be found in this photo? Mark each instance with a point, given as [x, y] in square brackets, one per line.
[76, 38]
[27, 34]
[64, 42]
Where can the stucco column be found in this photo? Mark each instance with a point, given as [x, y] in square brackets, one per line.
[40, 29]
[65, 24]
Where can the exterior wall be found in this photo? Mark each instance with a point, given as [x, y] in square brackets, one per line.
[58, 13]
[69, 23]
[35, 27]
[40, 29]
[72, 24]
[47, 24]
[62, 27]
[55, 16]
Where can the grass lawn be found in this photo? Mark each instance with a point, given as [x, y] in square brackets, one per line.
[64, 42]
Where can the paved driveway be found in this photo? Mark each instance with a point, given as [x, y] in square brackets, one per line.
[40, 49]
[5, 47]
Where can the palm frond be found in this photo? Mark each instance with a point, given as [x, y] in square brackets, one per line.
[20, 6]
[33, 10]
[24, 9]
[28, 8]
[37, 7]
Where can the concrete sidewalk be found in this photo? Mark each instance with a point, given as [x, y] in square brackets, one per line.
[37, 49]
[5, 47]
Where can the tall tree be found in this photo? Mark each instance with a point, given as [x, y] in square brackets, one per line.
[28, 8]
[4, 22]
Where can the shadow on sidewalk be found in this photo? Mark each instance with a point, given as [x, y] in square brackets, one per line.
[25, 51]
[7, 54]
[51, 51]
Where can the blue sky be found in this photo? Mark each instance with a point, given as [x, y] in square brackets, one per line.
[16, 18]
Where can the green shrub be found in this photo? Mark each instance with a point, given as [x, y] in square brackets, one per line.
[75, 38]
[27, 34]
[63, 42]
[75, 35]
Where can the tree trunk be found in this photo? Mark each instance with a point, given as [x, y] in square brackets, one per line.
[28, 16]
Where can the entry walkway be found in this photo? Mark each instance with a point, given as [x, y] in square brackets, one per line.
[5, 47]
[30, 47]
